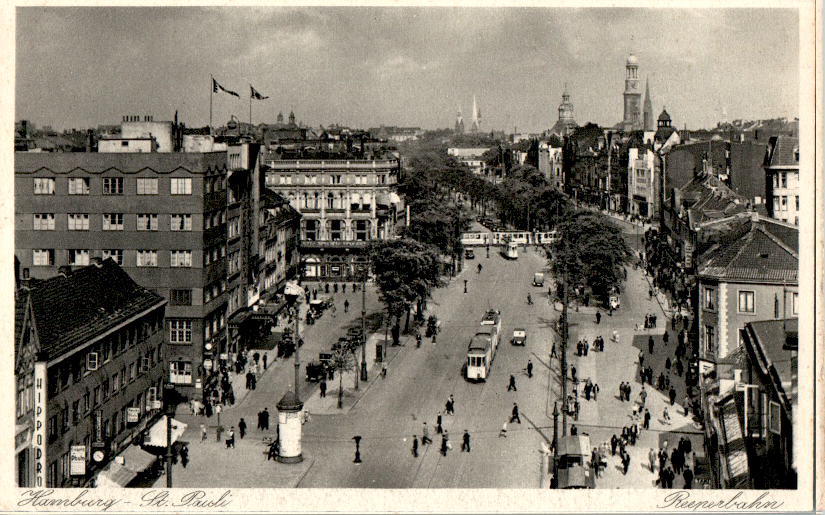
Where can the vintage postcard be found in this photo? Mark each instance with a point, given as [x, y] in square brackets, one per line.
[412, 257]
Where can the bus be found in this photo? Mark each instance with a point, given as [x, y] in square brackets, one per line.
[482, 348]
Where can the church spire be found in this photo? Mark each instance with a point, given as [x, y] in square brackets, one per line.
[648, 108]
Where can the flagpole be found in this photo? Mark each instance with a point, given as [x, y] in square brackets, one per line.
[250, 105]
[211, 92]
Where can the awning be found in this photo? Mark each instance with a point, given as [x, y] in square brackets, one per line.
[136, 459]
[114, 476]
[156, 437]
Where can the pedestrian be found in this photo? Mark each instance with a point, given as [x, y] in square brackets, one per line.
[598, 317]
[357, 449]
[646, 423]
[621, 391]
[203, 433]
[256, 357]
[625, 463]
[438, 427]
[529, 368]
[184, 455]
[503, 432]
[672, 395]
[687, 475]
[384, 369]
[346, 306]
[574, 430]
[665, 337]
[667, 364]
[586, 347]
[553, 353]
[512, 384]
[573, 374]
[444, 443]
[579, 348]
[652, 457]
[650, 344]
[687, 405]
[628, 389]
[665, 416]
[451, 400]
[595, 389]
[344, 288]
[465, 285]
[230, 440]
[265, 416]
[641, 359]
[650, 293]
[242, 428]
[425, 435]
[465, 444]
[265, 360]
[669, 477]
[515, 415]
[323, 387]
[614, 441]
[415, 446]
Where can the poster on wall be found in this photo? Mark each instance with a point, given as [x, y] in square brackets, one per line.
[77, 460]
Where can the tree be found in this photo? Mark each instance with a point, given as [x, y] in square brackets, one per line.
[342, 360]
[592, 253]
[406, 271]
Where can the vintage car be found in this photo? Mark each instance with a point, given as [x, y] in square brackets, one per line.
[469, 254]
[538, 279]
[519, 336]
[570, 467]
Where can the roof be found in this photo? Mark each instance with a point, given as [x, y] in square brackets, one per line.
[771, 336]
[71, 310]
[783, 151]
[756, 256]
[664, 116]
[127, 163]
[574, 444]
[480, 342]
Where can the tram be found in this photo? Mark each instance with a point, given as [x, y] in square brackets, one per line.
[482, 348]
[511, 252]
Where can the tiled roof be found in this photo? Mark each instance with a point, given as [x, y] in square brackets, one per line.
[771, 335]
[783, 151]
[21, 301]
[757, 255]
[69, 311]
[128, 162]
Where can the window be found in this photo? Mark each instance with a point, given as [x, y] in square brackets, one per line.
[362, 228]
[181, 223]
[43, 186]
[113, 222]
[96, 396]
[180, 372]
[795, 303]
[116, 254]
[52, 479]
[147, 186]
[774, 418]
[113, 185]
[78, 221]
[336, 229]
[78, 186]
[87, 406]
[180, 297]
[784, 179]
[147, 222]
[180, 331]
[132, 371]
[330, 200]
[181, 258]
[335, 179]
[710, 342]
[709, 298]
[78, 257]
[75, 412]
[776, 204]
[116, 382]
[43, 257]
[783, 200]
[797, 202]
[44, 221]
[147, 258]
[746, 302]
[181, 186]
[106, 390]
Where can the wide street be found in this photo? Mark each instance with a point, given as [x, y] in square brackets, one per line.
[386, 413]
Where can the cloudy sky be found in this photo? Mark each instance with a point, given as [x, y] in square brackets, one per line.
[365, 66]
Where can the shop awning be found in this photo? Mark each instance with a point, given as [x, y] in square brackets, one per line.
[136, 459]
[156, 437]
[114, 476]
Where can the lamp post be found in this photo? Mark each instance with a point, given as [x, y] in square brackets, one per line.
[364, 324]
[169, 408]
[564, 327]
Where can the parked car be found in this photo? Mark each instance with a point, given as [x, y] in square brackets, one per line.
[469, 254]
[538, 279]
[519, 336]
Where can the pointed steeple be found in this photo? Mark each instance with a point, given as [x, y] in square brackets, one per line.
[648, 108]
[476, 116]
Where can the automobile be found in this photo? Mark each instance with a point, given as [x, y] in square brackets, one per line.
[614, 302]
[519, 336]
[538, 279]
[570, 469]
[469, 254]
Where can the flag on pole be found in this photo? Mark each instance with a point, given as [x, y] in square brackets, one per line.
[216, 87]
[255, 94]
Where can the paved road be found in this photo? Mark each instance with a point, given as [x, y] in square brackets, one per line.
[419, 382]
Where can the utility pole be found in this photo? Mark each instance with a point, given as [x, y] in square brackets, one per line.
[564, 330]
[364, 325]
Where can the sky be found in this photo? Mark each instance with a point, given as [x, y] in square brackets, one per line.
[368, 66]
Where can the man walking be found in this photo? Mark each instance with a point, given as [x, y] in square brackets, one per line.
[438, 428]
[415, 446]
[465, 444]
[425, 436]
[323, 387]
[529, 368]
[650, 344]
[346, 306]
[652, 457]
[242, 427]
[203, 433]
[598, 317]
[512, 385]
[515, 415]
[230, 441]
[265, 419]
[687, 475]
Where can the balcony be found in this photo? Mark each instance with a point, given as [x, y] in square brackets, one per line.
[335, 244]
[333, 164]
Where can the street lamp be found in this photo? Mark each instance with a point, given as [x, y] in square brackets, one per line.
[364, 324]
[169, 409]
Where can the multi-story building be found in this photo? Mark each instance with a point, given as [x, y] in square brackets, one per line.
[89, 365]
[161, 216]
[551, 164]
[344, 204]
[782, 179]
[472, 157]
[643, 188]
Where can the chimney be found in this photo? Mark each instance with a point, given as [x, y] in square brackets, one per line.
[64, 271]
[97, 262]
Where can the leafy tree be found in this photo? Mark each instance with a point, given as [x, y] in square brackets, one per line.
[592, 252]
[406, 271]
[342, 360]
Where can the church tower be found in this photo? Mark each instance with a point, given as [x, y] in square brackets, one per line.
[291, 118]
[476, 117]
[632, 96]
[648, 109]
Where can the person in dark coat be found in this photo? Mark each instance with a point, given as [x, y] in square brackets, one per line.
[614, 441]
[323, 387]
[646, 423]
[650, 344]
[529, 368]
[265, 419]
[598, 317]
[242, 428]
[444, 444]
[184, 456]
[415, 446]
[438, 427]
[687, 475]
[465, 444]
[672, 395]
[666, 337]
[512, 385]
[625, 463]
[515, 415]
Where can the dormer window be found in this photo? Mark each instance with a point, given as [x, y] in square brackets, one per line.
[796, 154]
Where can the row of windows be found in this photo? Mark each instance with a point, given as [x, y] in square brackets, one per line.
[780, 203]
[284, 179]
[780, 180]
[82, 257]
[747, 303]
[112, 186]
[213, 290]
[335, 230]
[111, 222]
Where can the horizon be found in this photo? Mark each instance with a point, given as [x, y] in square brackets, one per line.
[354, 67]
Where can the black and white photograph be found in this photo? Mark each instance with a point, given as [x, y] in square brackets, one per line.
[493, 252]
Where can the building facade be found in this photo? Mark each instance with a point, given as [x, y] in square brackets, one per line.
[344, 204]
[782, 179]
[551, 164]
[632, 119]
[90, 363]
[161, 216]
[643, 172]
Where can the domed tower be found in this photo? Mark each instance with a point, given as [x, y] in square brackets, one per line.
[291, 118]
[648, 109]
[280, 117]
[664, 121]
[566, 107]
[632, 95]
